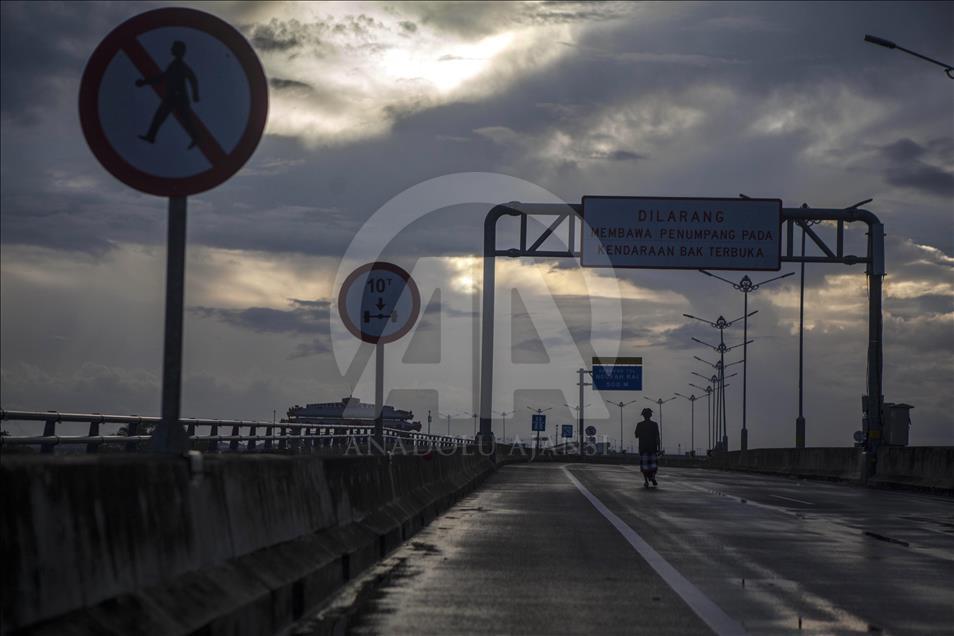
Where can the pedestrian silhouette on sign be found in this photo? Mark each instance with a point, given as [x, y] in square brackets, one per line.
[175, 98]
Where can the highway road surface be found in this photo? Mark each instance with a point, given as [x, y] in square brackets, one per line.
[552, 548]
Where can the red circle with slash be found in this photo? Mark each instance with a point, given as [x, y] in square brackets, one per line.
[124, 38]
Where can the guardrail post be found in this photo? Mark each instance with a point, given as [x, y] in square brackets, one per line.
[49, 430]
[132, 429]
[282, 442]
[251, 432]
[213, 443]
[233, 444]
[268, 437]
[92, 447]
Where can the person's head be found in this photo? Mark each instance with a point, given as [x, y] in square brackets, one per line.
[178, 48]
[647, 413]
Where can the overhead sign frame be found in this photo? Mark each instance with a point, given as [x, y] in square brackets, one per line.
[559, 215]
[124, 40]
[682, 233]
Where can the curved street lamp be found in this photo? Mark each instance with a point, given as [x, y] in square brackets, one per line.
[746, 286]
[888, 44]
[621, 406]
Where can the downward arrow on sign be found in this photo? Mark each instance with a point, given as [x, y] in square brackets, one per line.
[380, 304]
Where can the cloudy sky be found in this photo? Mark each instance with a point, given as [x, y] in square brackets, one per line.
[378, 108]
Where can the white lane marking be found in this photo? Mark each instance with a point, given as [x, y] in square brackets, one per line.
[713, 616]
[793, 499]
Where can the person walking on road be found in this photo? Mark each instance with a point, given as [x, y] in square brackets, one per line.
[647, 432]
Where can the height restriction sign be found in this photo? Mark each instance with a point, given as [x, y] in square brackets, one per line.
[173, 102]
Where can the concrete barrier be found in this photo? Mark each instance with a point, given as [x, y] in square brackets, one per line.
[930, 467]
[921, 467]
[830, 463]
[238, 544]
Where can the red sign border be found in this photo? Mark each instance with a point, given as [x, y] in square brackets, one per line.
[114, 163]
[409, 282]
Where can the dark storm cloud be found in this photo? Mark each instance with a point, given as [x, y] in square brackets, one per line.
[305, 317]
[357, 178]
[619, 155]
[909, 167]
[314, 37]
[78, 219]
[44, 49]
[288, 84]
[316, 347]
[626, 77]
[278, 35]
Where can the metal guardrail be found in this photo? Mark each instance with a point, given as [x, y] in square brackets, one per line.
[278, 436]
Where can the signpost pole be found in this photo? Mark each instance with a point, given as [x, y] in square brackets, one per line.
[379, 395]
[800, 420]
[170, 437]
[744, 441]
[621, 429]
[692, 429]
[580, 410]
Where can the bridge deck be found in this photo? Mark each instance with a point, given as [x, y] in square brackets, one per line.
[530, 553]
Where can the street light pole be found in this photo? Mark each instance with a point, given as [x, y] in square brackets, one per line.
[504, 415]
[621, 406]
[692, 400]
[888, 44]
[708, 392]
[659, 402]
[721, 324]
[746, 286]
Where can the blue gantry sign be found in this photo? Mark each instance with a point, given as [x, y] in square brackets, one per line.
[538, 423]
[618, 374]
[567, 430]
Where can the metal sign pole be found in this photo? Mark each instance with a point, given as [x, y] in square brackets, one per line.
[800, 420]
[379, 395]
[170, 436]
[744, 441]
[580, 410]
[692, 430]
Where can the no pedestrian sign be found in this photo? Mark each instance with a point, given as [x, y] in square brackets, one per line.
[664, 233]
[173, 102]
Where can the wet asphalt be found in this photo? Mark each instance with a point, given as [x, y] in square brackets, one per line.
[529, 554]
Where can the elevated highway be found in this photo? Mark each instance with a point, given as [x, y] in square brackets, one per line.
[550, 548]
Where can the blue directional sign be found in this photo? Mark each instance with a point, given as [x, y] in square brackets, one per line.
[566, 430]
[618, 377]
[538, 422]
